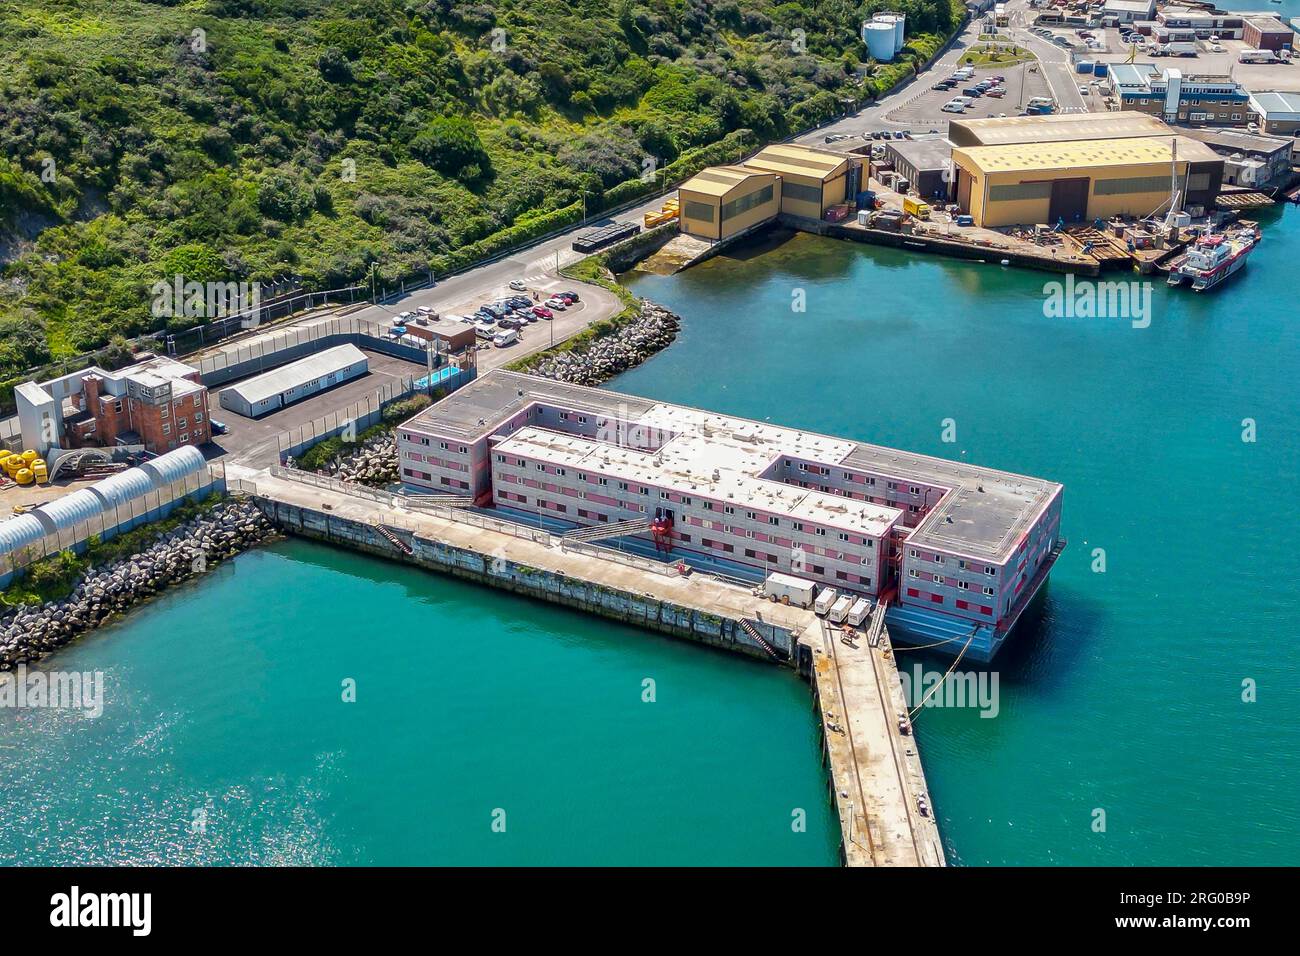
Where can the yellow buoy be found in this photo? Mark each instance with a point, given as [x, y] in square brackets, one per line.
[29, 456]
[24, 476]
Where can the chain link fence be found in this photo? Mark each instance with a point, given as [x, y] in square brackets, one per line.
[116, 519]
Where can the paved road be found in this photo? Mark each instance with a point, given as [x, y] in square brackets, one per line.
[890, 112]
[1054, 62]
[538, 265]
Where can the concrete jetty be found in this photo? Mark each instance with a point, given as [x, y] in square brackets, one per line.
[876, 780]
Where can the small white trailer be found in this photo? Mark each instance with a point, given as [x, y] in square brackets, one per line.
[840, 609]
[860, 611]
[787, 589]
[825, 600]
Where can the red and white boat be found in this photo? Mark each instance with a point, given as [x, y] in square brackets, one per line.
[1215, 257]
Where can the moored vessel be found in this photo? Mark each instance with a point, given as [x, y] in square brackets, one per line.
[1213, 258]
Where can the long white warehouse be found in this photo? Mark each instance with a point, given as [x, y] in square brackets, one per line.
[283, 386]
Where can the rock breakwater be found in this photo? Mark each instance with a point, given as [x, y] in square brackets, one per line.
[652, 330]
[30, 632]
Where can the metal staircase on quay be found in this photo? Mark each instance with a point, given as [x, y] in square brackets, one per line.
[600, 532]
[437, 501]
[759, 639]
[393, 539]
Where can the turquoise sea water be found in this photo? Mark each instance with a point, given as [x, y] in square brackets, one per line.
[1125, 694]
[226, 698]
[1122, 694]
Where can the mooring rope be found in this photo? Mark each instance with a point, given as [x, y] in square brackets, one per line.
[912, 716]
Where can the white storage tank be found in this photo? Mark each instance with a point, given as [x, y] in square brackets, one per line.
[899, 22]
[69, 510]
[17, 533]
[174, 465]
[879, 38]
[120, 488]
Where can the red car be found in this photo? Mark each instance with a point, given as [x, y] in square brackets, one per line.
[542, 312]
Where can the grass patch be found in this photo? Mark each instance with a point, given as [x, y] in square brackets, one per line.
[323, 451]
[995, 54]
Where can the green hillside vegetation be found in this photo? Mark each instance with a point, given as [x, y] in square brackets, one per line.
[248, 139]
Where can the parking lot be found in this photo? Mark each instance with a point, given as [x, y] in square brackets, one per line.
[1022, 82]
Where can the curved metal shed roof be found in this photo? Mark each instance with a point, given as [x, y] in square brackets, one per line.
[17, 533]
[122, 487]
[69, 510]
[174, 465]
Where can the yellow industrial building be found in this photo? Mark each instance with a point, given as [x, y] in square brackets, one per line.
[1054, 128]
[812, 180]
[722, 201]
[1026, 183]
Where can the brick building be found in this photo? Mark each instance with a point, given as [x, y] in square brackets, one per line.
[158, 403]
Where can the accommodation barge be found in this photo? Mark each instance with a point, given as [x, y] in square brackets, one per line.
[955, 552]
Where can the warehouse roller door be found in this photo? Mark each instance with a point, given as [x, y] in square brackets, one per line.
[1069, 200]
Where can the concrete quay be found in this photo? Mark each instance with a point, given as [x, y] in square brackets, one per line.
[875, 774]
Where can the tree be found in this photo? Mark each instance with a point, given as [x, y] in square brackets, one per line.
[450, 144]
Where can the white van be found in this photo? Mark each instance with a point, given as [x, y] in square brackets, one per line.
[825, 600]
[504, 338]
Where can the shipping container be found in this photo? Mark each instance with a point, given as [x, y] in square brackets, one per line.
[605, 236]
[825, 600]
[860, 612]
[840, 609]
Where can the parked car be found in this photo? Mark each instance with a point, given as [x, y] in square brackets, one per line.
[426, 310]
[997, 92]
[571, 295]
[556, 303]
[542, 312]
[952, 106]
[1083, 90]
[518, 285]
[218, 428]
[503, 339]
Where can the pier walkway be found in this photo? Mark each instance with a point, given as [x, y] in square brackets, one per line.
[875, 770]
